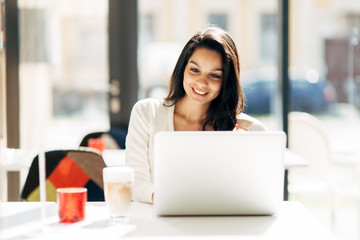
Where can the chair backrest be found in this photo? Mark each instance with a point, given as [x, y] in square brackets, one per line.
[307, 138]
[66, 168]
[114, 138]
[84, 141]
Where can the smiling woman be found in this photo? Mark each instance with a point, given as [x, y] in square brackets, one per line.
[213, 51]
[203, 76]
[202, 84]
[204, 95]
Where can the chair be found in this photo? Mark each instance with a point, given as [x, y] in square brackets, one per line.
[66, 168]
[307, 139]
[114, 138]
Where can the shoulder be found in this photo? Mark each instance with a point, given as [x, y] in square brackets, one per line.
[249, 123]
[151, 108]
[151, 114]
[143, 112]
[148, 104]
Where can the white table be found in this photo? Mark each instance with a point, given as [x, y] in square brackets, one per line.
[22, 220]
[294, 160]
[14, 167]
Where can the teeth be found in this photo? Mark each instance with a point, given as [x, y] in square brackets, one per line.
[199, 92]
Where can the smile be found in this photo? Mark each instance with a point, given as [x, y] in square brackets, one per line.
[199, 92]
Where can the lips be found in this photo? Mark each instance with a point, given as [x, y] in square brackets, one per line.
[199, 92]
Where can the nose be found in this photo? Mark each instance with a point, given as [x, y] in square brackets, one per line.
[202, 80]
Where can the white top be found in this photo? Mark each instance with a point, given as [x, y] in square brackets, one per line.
[148, 117]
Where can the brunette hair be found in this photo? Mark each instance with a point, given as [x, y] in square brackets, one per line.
[230, 102]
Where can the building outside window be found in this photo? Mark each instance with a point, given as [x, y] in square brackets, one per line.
[268, 40]
[219, 20]
[63, 72]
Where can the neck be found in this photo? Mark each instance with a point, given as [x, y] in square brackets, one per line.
[191, 111]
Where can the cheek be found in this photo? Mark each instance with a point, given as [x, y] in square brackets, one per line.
[187, 78]
[187, 75]
[185, 82]
[218, 86]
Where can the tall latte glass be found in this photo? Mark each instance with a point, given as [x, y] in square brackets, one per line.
[117, 190]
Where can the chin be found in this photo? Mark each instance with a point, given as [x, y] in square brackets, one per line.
[200, 101]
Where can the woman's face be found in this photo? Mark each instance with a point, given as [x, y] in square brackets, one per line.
[203, 76]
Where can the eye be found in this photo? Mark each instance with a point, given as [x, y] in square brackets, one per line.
[217, 76]
[195, 70]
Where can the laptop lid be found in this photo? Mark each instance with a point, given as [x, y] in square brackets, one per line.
[218, 172]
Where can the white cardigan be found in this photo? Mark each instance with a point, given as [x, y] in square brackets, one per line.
[148, 117]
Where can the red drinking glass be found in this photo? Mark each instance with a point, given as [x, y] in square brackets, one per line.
[71, 204]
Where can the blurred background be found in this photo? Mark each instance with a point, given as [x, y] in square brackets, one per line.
[64, 58]
[66, 85]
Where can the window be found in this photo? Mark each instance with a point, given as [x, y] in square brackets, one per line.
[63, 72]
[219, 20]
[177, 21]
[2, 74]
[268, 37]
[148, 25]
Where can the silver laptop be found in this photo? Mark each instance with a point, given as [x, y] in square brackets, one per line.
[218, 172]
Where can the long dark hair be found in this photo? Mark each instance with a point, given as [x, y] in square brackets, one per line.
[230, 102]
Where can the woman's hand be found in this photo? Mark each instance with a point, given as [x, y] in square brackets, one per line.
[240, 128]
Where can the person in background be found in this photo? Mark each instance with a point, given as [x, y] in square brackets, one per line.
[205, 94]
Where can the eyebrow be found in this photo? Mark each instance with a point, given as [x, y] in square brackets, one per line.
[193, 62]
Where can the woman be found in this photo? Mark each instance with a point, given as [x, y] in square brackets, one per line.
[204, 95]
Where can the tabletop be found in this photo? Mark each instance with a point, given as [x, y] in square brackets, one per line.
[35, 220]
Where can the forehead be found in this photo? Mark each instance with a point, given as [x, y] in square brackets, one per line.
[206, 57]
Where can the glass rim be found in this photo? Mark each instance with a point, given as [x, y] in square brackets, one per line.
[71, 190]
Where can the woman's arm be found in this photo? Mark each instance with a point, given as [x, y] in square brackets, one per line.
[137, 152]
